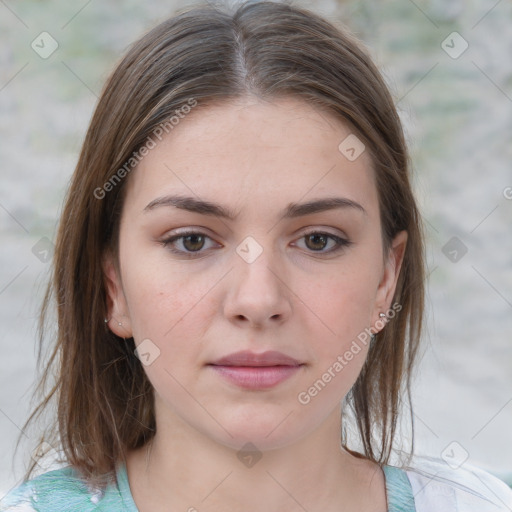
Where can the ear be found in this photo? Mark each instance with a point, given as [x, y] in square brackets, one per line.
[118, 318]
[389, 279]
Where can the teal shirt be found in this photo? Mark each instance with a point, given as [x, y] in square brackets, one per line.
[61, 490]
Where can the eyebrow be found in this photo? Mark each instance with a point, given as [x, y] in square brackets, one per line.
[293, 210]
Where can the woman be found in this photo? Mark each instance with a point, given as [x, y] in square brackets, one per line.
[239, 267]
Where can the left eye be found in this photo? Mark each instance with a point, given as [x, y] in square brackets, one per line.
[317, 241]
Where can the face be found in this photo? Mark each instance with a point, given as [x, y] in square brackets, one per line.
[250, 260]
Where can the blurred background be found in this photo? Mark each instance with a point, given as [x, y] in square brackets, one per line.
[449, 68]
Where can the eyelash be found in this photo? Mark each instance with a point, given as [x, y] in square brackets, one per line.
[341, 243]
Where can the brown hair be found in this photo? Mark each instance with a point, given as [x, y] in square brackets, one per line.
[271, 50]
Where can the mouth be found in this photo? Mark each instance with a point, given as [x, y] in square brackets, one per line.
[250, 370]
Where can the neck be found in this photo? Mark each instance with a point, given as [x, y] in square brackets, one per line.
[182, 469]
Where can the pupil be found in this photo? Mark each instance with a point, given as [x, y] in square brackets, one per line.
[193, 247]
[316, 236]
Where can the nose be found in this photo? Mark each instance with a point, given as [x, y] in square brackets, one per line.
[258, 294]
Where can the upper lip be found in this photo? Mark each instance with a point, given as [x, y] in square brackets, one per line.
[248, 358]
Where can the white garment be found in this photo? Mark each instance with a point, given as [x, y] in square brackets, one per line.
[439, 488]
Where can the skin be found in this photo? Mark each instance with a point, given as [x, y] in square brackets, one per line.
[298, 297]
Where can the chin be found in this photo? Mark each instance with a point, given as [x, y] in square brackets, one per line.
[266, 430]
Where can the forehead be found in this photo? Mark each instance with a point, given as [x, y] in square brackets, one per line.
[251, 150]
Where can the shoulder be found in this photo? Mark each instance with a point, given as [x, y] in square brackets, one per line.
[55, 491]
[437, 486]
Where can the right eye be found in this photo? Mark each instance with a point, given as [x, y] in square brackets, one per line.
[192, 243]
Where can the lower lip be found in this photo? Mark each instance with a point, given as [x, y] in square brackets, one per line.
[256, 377]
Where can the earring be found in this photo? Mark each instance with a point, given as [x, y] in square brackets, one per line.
[118, 323]
[382, 315]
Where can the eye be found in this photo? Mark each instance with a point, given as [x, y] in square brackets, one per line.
[191, 242]
[316, 241]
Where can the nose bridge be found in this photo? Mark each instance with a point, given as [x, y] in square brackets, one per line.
[256, 267]
[257, 292]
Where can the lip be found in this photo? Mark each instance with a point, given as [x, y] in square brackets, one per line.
[248, 358]
[256, 371]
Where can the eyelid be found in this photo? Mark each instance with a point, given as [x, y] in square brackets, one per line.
[322, 230]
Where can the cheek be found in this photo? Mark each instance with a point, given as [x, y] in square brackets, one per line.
[341, 305]
[165, 306]
[159, 311]
[338, 340]
[339, 330]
